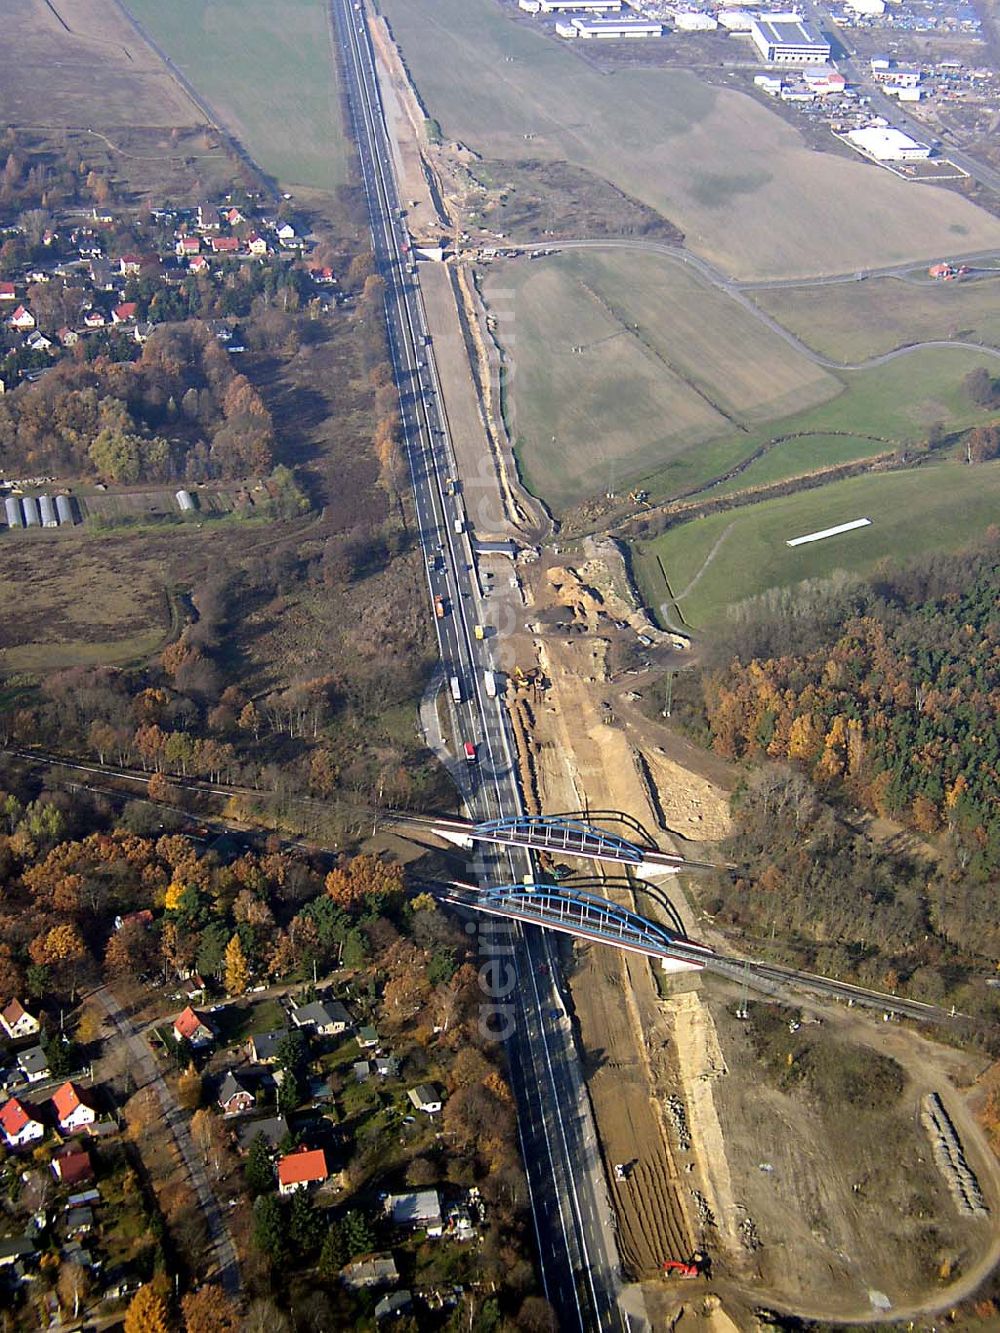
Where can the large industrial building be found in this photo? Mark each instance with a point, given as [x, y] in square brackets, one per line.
[580, 6]
[886, 144]
[786, 39]
[613, 29]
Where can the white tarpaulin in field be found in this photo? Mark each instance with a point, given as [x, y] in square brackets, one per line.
[829, 532]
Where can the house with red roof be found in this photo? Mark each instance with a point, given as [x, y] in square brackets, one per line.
[199, 264]
[22, 318]
[325, 275]
[130, 265]
[18, 1125]
[72, 1112]
[225, 245]
[191, 1027]
[124, 312]
[256, 244]
[72, 1165]
[7, 292]
[188, 245]
[302, 1168]
[17, 1022]
[94, 319]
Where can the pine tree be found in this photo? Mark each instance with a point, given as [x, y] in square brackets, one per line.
[289, 1093]
[305, 1226]
[259, 1171]
[268, 1228]
[357, 1234]
[333, 1255]
[237, 968]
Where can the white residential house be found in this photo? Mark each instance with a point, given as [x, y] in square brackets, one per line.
[426, 1097]
[33, 1064]
[18, 1022]
[72, 1112]
[328, 1018]
[18, 1125]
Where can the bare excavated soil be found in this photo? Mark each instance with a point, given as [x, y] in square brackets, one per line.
[841, 1209]
[803, 1172]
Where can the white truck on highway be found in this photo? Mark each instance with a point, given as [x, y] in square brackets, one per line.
[456, 689]
[490, 681]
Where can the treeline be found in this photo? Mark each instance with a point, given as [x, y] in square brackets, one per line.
[57, 169]
[181, 411]
[888, 691]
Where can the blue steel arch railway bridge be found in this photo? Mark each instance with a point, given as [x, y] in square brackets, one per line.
[579, 833]
[585, 915]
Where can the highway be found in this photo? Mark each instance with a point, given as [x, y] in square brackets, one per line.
[575, 1230]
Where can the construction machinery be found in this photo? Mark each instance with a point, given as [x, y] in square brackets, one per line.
[697, 1266]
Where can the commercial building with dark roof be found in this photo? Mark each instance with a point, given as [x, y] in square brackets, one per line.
[787, 39]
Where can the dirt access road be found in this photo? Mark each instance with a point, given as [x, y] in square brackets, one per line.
[613, 996]
[496, 505]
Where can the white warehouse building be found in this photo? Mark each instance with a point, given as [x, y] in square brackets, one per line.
[580, 6]
[613, 29]
[736, 20]
[886, 144]
[687, 20]
[786, 39]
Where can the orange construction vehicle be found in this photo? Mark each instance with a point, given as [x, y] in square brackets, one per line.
[696, 1266]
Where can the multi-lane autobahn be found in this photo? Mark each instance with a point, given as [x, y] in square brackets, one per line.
[521, 1000]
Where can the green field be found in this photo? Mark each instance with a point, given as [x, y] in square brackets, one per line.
[734, 176]
[854, 321]
[937, 507]
[266, 69]
[879, 410]
[626, 370]
[624, 361]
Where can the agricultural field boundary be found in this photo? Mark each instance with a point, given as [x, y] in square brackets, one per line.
[712, 277]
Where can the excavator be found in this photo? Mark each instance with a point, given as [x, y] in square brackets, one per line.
[699, 1265]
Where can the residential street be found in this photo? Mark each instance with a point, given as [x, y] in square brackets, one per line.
[147, 1075]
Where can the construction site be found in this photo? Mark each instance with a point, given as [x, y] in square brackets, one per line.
[733, 1186]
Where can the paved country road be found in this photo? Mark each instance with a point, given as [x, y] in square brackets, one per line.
[147, 1075]
[737, 292]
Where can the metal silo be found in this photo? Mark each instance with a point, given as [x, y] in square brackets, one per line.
[64, 510]
[186, 503]
[48, 511]
[32, 518]
[13, 507]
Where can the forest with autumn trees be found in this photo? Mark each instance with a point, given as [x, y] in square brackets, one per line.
[882, 695]
[181, 411]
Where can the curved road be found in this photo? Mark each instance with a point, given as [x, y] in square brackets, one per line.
[713, 277]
